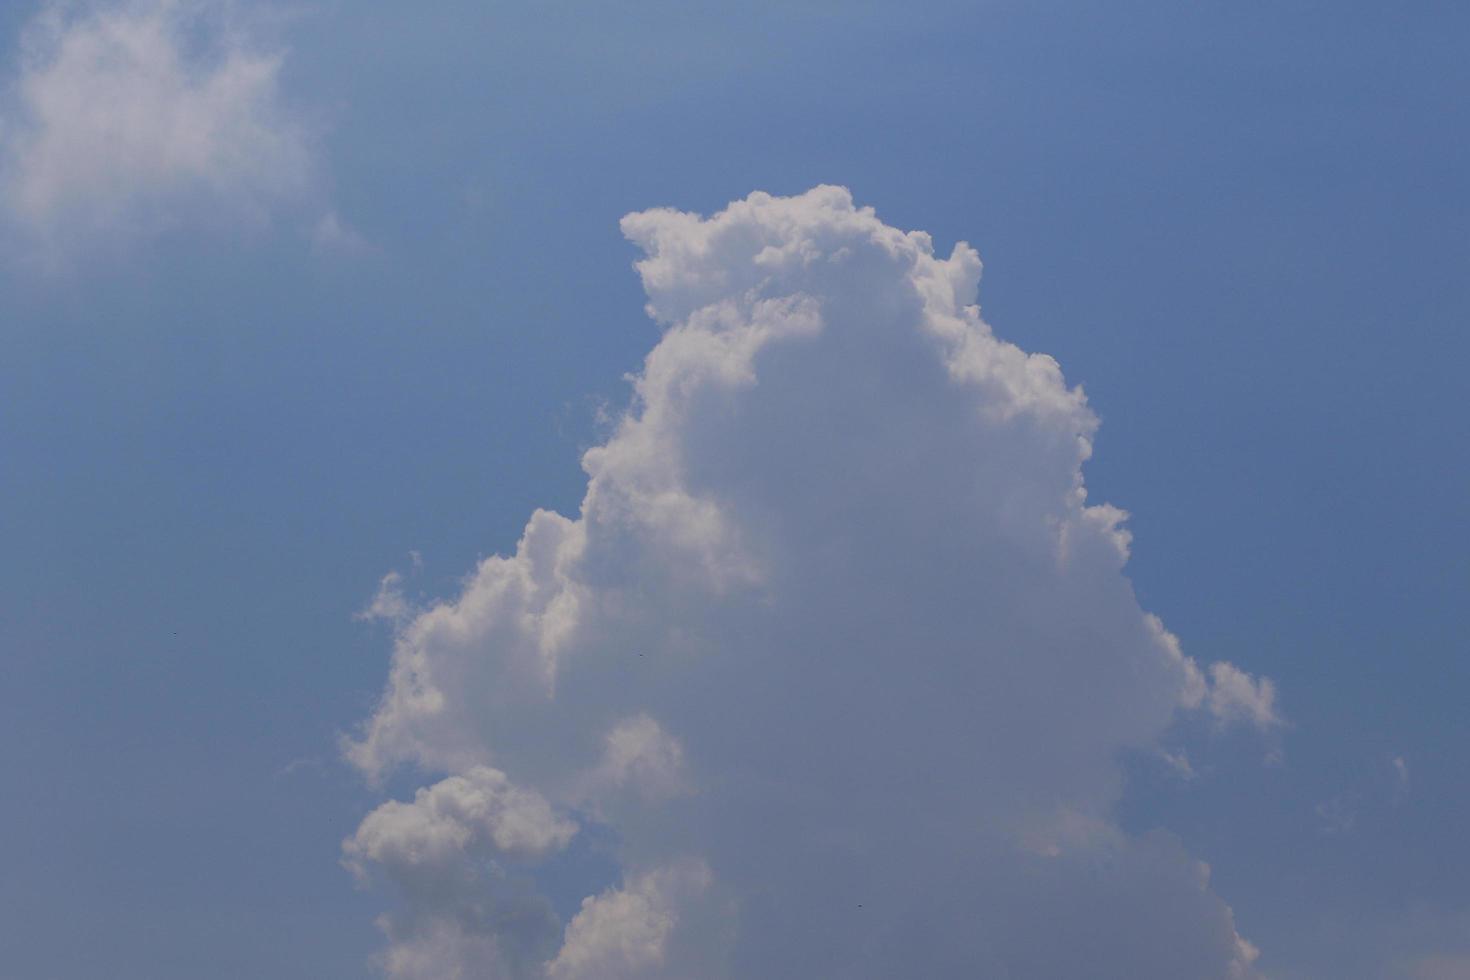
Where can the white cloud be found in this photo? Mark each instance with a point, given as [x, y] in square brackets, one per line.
[623, 934]
[642, 756]
[389, 603]
[135, 117]
[460, 905]
[1235, 696]
[835, 568]
[455, 815]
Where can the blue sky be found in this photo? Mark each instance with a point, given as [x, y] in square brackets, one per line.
[376, 302]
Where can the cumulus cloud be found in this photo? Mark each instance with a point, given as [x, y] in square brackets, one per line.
[623, 933]
[1236, 696]
[444, 821]
[135, 117]
[461, 907]
[837, 626]
[642, 756]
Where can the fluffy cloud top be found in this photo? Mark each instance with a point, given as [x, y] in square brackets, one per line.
[440, 850]
[444, 821]
[837, 650]
[133, 117]
[624, 933]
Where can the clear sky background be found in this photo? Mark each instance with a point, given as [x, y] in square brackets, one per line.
[229, 406]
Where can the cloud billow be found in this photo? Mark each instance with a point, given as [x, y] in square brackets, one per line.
[837, 651]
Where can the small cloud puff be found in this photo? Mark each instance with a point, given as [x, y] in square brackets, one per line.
[1237, 697]
[132, 118]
